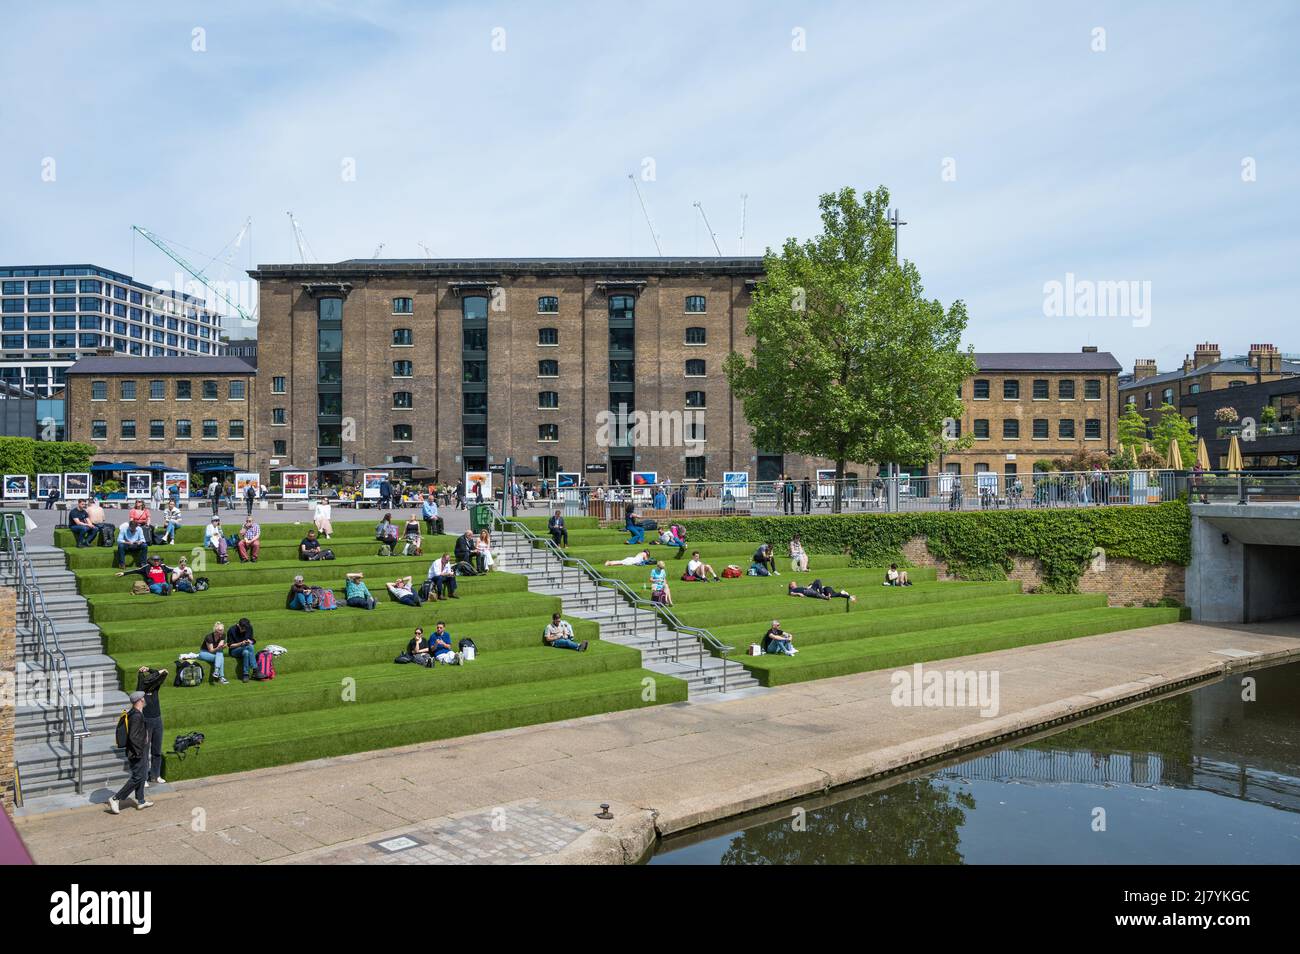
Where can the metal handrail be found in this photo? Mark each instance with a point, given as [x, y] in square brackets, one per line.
[660, 612]
[73, 728]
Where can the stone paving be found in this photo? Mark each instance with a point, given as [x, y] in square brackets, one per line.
[664, 769]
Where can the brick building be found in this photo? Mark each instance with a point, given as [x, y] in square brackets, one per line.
[183, 413]
[457, 364]
[1204, 370]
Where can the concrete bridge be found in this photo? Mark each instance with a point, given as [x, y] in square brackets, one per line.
[1245, 562]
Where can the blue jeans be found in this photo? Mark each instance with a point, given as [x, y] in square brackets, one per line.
[160, 589]
[171, 531]
[83, 535]
[563, 643]
[247, 655]
[444, 584]
[637, 535]
[776, 647]
[140, 550]
[218, 663]
[302, 601]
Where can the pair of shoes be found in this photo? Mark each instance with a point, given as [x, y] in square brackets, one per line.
[244, 677]
[141, 806]
[582, 646]
[223, 681]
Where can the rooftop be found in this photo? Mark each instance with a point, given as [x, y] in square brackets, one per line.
[1046, 361]
[108, 365]
[748, 266]
[1237, 365]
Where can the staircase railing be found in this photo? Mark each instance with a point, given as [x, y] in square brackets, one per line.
[72, 726]
[705, 642]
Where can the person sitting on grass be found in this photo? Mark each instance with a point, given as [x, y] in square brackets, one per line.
[559, 635]
[659, 591]
[765, 560]
[241, 646]
[356, 593]
[697, 569]
[172, 517]
[98, 518]
[139, 513]
[816, 590]
[250, 540]
[130, 539]
[183, 577]
[777, 641]
[798, 558]
[429, 512]
[321, 518]
[896, 577]
[418, 649]
[83, 531]
[440, 646]
[636, 559]
[213, 650]
[386, 533]
[466, 550]
[216, 540]
[674, 536]
[483, 551]
[632, 523]
[442, 578]
[400, 590]
[300, 596]
[156, 574]
[412, 544]
[559, 533]
[309, 546]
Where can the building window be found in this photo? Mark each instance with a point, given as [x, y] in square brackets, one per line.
[695, 304]
[236, 391]
[184, 429]
[403, 338]
[1167, 396]
[473, 402]
[1148, 401]
[981, 390]
[548, 369]
[127, 390]
[1092, 389]
[696, 336]
[474, 307]
[548, 336]
[1236, 384]
[981, 428]
[128, 430]
[157, 430]
[1194, 389]
[278, 416]
[403, 306]
[209, 390]
[474, 372]
[548, 433]
[402, 432]
[99, 430]
[1065, 390]
[1092, 430]
[157, 390]
[403, 401]
[1065, 429]
[696, 399]
[403, 369]
[329, 372]
[695, 368]
[694, 432]
[1041, 390]
[548, 400]
[695, 468]
[329, 309]
[1011, 389]
[622, 306]
[548, 305]
[210, 430]
[236, 430]
[1192, 421]
[1010, 429]
[280, 448]
[1041, 430]
[99, 390]
[277, 384]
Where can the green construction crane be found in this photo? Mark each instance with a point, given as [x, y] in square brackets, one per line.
[198, 273]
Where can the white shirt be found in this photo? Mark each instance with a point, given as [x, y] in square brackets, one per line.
[322, 511]
[211, 533]
[695, 567]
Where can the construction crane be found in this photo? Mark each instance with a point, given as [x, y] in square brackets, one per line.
[378, 248]
[427, 253]
[197, 272]
[646, 211]
[744, 198]
[713, 235]
[300, 239]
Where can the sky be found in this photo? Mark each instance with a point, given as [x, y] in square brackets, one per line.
[1026, 144]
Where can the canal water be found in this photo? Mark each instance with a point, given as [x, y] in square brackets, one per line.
[1208, 776]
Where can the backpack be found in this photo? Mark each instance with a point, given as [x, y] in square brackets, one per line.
[659, 596]
[327, 601]
[202, 583]
[731, 572]
[385, 550]
[327, 554]
[188, 674]
[466, 569]
[426, 590]
[265, 665]
[191, 740]
[139, 588]
[466, 642]
[106, 536]
[649, 524]
[411, 548]
[120, 732]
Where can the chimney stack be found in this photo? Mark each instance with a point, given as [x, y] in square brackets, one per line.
[1207, 354]
[1089, 349]
[1144, 368]
[1265, 358]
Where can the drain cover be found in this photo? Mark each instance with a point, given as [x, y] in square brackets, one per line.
[1234, 653]
[400, 843]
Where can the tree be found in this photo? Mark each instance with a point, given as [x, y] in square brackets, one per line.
[850, 361]
[1173, 426]
[1132, 429]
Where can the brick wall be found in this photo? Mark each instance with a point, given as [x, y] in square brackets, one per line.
[8, 664]
[1124, 581]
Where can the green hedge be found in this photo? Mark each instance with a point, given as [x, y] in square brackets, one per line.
[25, 455]
[980, 545]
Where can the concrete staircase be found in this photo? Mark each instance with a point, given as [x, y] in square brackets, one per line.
[45, 761]
[662, 649]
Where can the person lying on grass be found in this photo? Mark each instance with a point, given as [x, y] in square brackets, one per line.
[156, 574]
[400, 589]
[559, 635]
[674, 536]
[896, 577]
[300, 596]
[817, 590]
[777, 641]
[183, 577]
[356, 593]
[440, 646]
[637, 559]
[697, 569]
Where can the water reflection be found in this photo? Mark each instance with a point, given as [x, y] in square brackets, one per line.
[1208, 776]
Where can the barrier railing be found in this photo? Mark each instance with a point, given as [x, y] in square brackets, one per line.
[72, 726]
[1244, 486]
[703, 639]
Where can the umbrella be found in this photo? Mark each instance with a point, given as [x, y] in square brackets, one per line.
[1234, 456]
[106, 468]
[1175, 455]
[338, 467]
[1202, 455]
[288, 467]
[522, 471]
[217, 469]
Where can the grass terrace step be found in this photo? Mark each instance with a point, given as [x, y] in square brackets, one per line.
[90, 558]
[195, 523]
[378, 570]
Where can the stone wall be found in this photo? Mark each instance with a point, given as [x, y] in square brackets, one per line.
[8, 667]
[1123, 580]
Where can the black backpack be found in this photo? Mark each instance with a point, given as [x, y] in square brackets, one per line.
[466, 642]
[183, 743]
[188, 674]
[122, 730]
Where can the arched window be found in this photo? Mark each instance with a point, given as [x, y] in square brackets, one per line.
[548, 400]
[696, 336]
[548, 336]
[403, 400]
[696, 399]
[473, 306]
[695, 368]
[548, 305]
[548, 369]
[695, 304]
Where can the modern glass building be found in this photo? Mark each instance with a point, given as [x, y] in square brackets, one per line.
[51, 315]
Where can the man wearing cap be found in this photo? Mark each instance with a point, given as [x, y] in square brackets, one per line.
[156, 574]
[130, 539]
[250, 540]
[137, 757]
[214, 538]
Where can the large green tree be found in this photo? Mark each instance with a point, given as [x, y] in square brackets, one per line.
[1132, 429]
[1173, 426]
[850, 361]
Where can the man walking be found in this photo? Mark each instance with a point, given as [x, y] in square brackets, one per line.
[787, 495]
[250, 494]
[214, 494]
[137, 757]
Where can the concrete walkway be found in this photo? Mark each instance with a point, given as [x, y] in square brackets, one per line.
[531, 794]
